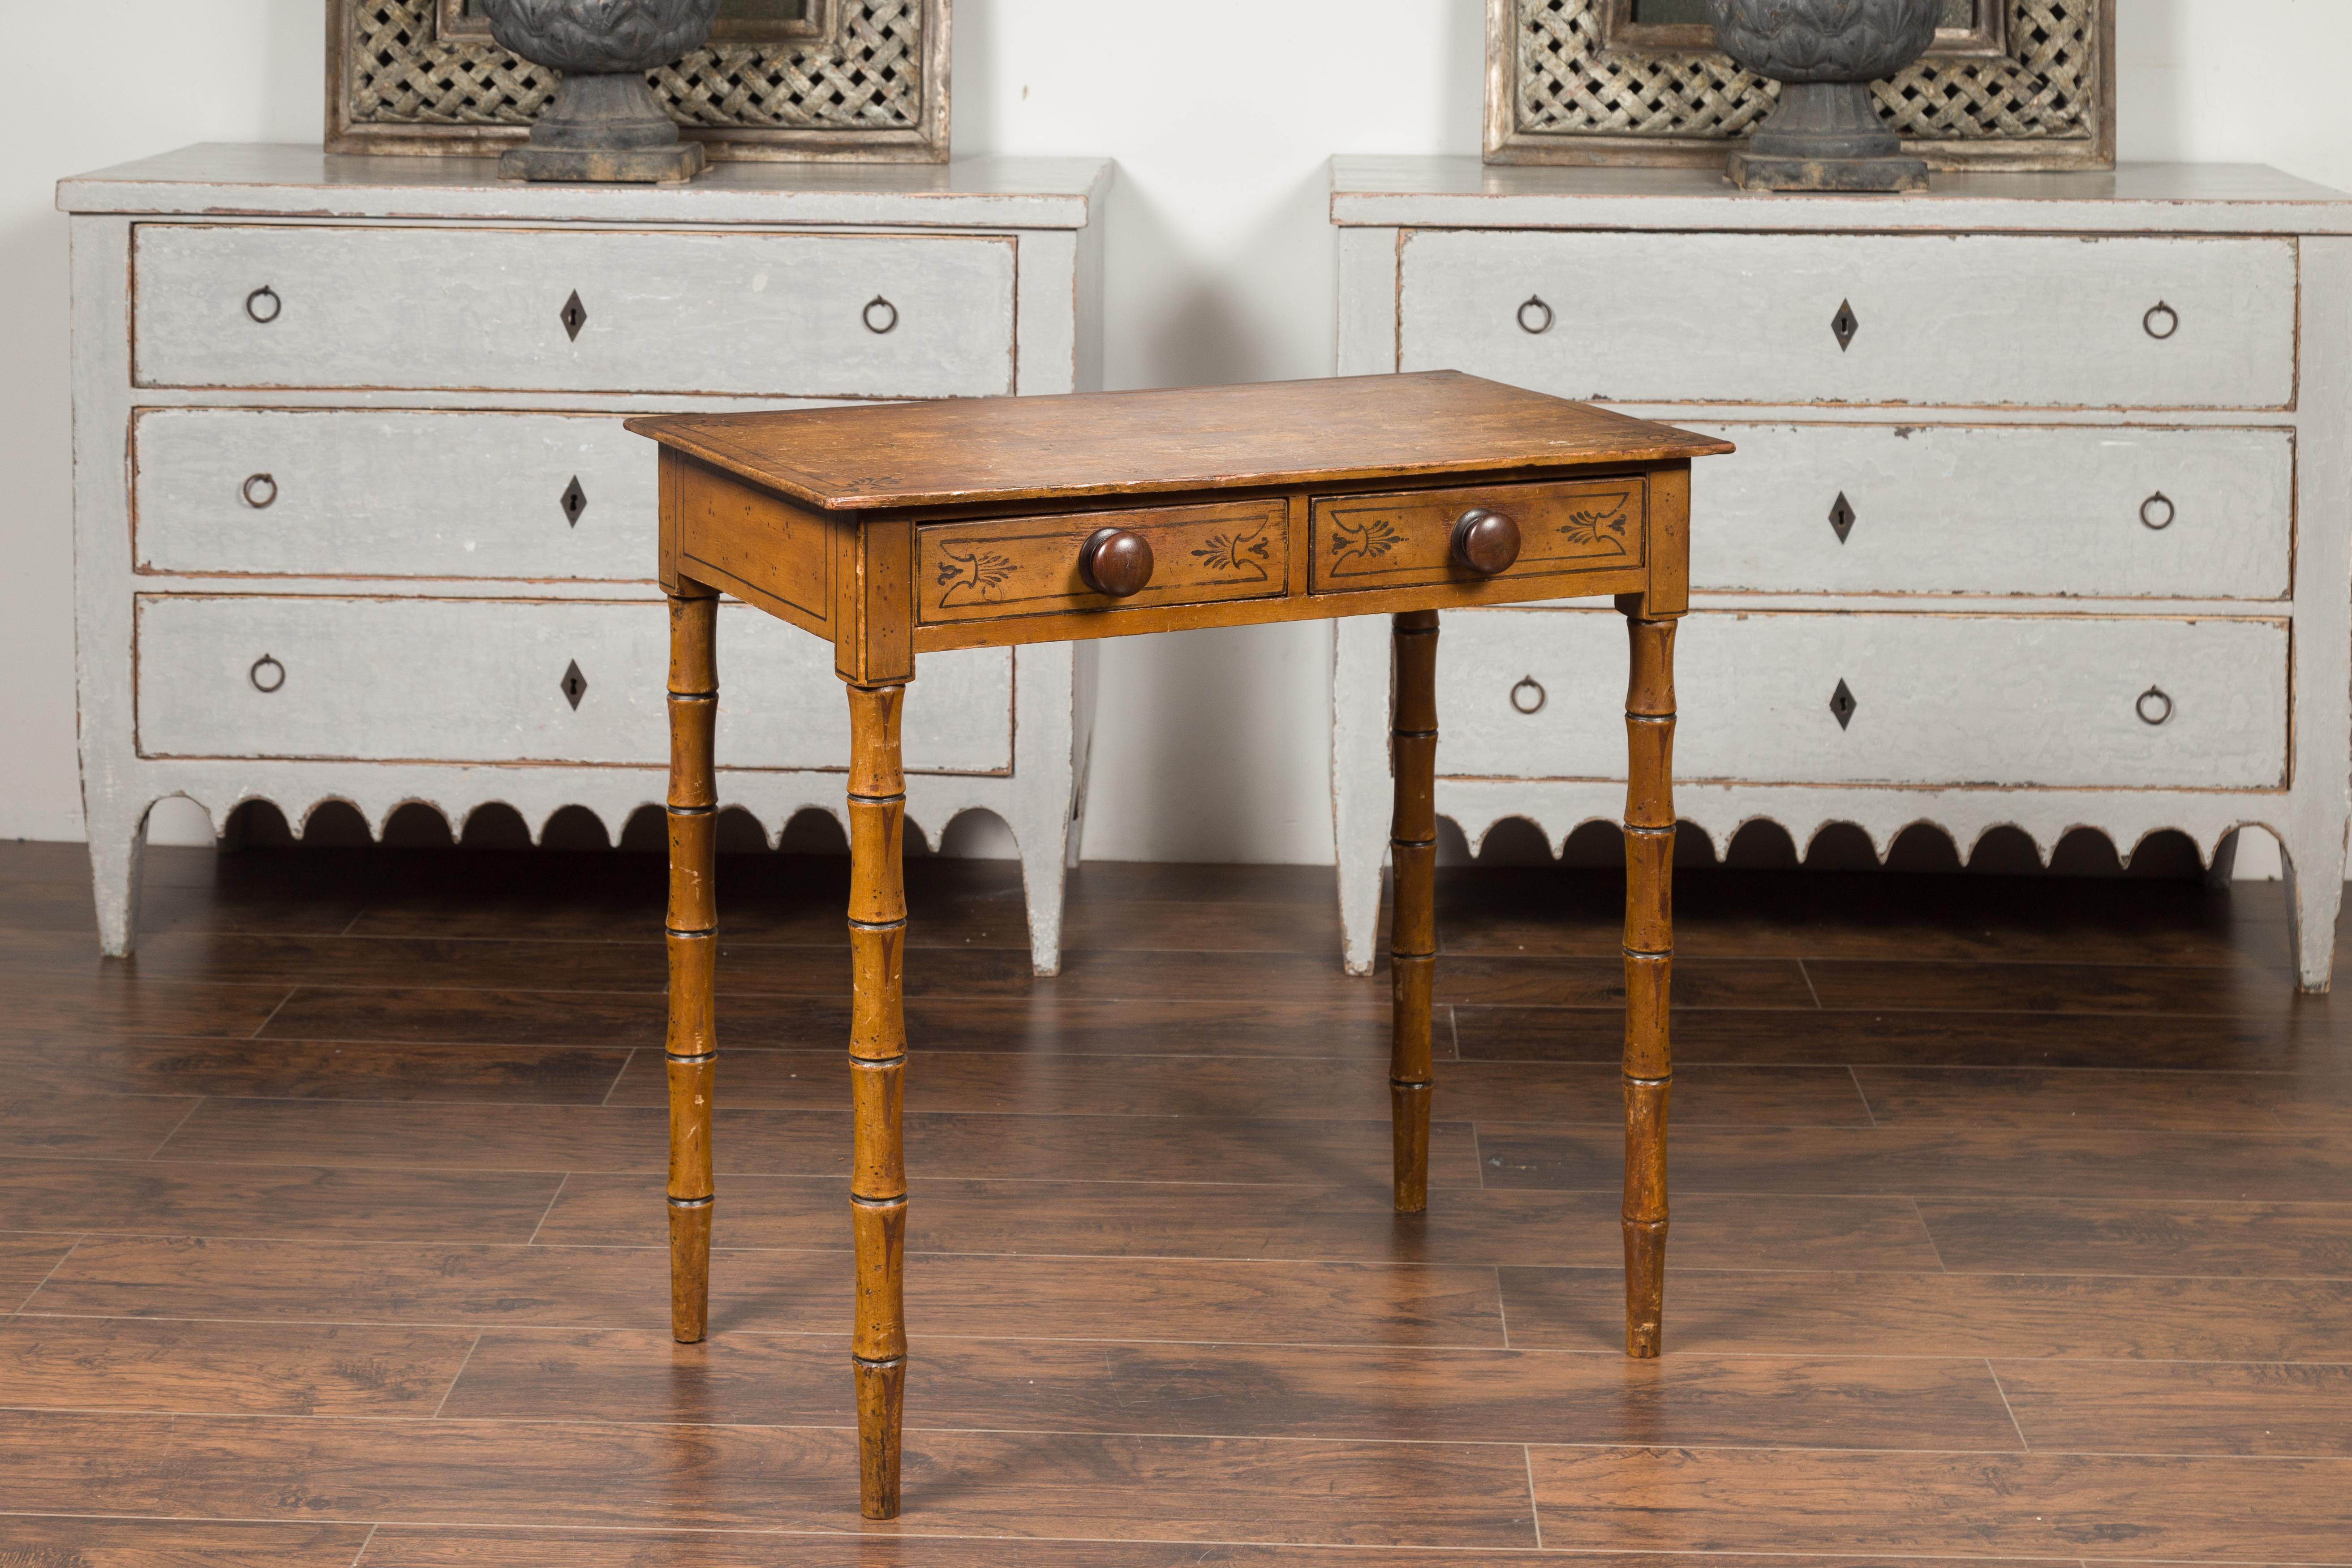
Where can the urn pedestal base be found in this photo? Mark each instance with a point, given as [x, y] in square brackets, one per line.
[1755, 171]
[604, 127]
[624, 165]
[1825, 136]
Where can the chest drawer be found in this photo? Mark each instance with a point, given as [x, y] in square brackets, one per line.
[1970, 320]
[1948, 701]
[2094, 512]
[362, 493]
[776, 315]
[1406, 539]
[485, 680]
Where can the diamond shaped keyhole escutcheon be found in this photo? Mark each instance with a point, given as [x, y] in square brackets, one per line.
[575, 685]
[576, 501]
[1841, 704]
[1840, 516]
[1845, 323]
[574, 316]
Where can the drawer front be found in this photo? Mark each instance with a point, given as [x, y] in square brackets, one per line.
[2113, 512]
[1937, 699]
[484, 681]
[1406, 539]
[1973, 319]
[274, 492]
[1029, 565]
[773, 315]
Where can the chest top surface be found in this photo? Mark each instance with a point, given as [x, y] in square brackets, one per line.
[2152, 199]
[227, 181]
[1331, 430]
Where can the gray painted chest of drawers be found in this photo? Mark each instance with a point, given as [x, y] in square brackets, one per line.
[356, 519]
[2040, 515]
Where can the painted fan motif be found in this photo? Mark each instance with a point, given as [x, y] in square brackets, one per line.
[1605, 529]
[973, 577]
[1244, 552]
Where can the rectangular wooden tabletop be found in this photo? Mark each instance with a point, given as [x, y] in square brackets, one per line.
[879, 456]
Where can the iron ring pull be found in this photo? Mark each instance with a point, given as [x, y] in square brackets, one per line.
[889, 323]
[2171, 320]
[2164, 710]
[2148, 513]
[1528, 683]
[1535, 302]
[258, 491]
[277, 679]
[253, 304]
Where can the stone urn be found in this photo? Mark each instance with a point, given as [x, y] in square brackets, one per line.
[1825, 135]
[605, 123]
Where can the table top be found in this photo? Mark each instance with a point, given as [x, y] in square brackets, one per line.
[1332, 430]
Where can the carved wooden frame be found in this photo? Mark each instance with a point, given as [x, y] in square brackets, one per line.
[1650, 67]
[914, 132]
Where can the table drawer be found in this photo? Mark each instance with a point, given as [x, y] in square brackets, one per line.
[1404, 539]
[484, 681]
[1029, 565]
[277, 492]
[2090, 512]
[777, 315]
[1937, 699]
[1973, 319]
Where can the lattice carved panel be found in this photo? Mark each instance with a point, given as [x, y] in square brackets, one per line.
[402, 82]
[2047, 103]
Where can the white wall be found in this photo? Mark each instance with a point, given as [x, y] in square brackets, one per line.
[1220, 112]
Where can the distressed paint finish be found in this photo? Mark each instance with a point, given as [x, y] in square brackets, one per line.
[2017, 389]
[367, 493]
[1999, 511]
[1965, 319]
[382, 485]
[764, 314]
[1944, 700]
[480, 682]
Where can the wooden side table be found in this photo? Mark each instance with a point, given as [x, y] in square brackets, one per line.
[900, 530]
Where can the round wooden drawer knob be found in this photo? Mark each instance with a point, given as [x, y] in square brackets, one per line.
[1486, 541]
[1116, 562]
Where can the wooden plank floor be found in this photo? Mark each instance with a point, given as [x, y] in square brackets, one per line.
[2013, 1221]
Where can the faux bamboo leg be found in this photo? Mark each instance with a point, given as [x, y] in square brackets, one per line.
[1412, 926]
[692, 1044]
[877, 1064]
[1649, 960]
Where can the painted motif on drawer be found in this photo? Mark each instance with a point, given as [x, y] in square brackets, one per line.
[1403, 539]
[1026, 566]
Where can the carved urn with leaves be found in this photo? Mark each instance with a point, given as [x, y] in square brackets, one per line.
[605, 123]
[1825, 134]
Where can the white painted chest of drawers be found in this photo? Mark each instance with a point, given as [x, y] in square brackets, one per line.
[2046, 475]
[356, 519]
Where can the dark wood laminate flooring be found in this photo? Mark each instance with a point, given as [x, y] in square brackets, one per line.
[2013, 1223]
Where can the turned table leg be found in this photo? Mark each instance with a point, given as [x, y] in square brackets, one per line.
[692, 1044]
[1413, 925]
[877, 1064]
[1649, 960]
